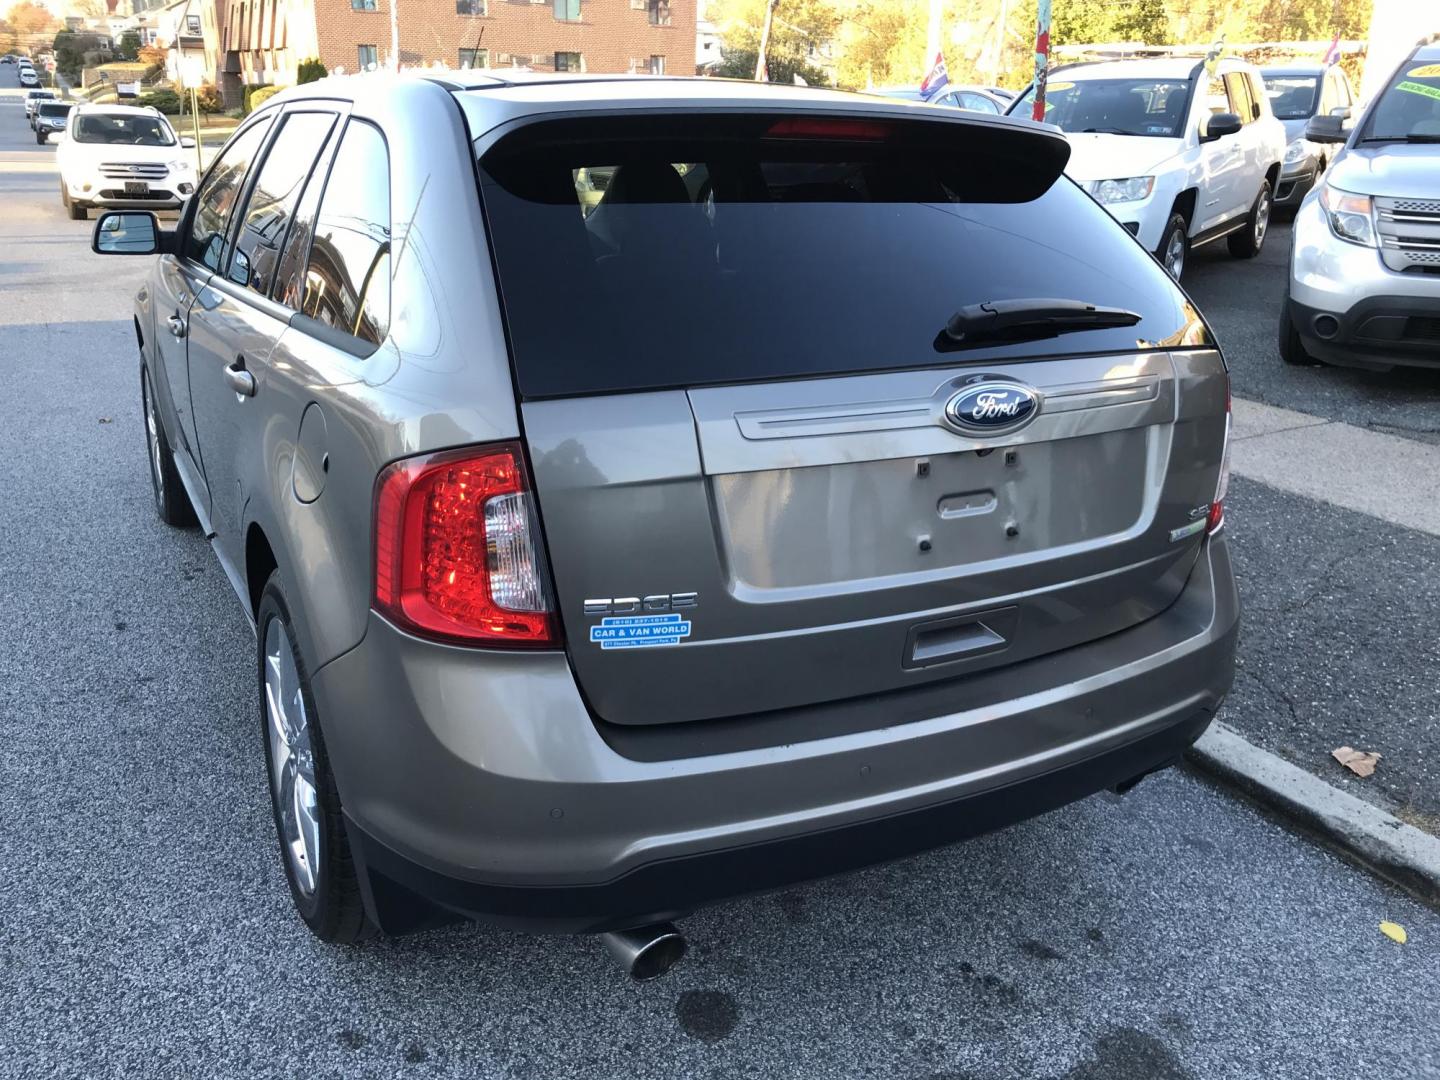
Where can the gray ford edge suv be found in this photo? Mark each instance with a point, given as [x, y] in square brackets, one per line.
[840, 482]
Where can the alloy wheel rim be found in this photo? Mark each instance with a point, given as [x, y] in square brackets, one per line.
[1175, 254]
[1262, 220]
[292, 759]
[152, 436]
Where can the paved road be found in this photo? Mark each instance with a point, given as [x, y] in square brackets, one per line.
[145, 931]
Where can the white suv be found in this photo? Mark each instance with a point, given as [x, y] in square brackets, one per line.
[125, 157]
[1178, 156]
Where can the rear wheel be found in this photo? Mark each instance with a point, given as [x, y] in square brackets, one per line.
[1247, 242]
[172, 503]
[1292, 349]
[1174, 245]
[308, 821]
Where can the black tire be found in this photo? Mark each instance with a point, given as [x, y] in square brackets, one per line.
[39, 138]
[1292, 349]
[1174, 245]
[76, 210]
[172, 503]
[334, 911]
[1246, 243]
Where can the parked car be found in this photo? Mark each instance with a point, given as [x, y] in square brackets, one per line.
[28, 77]
[1364, 285]
[1296, 93]
[50, 119]
[121, 155]
[971, 98]
[32, 99]
[1180, 157]
[963, 539]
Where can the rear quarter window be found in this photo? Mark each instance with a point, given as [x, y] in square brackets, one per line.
[640, 253]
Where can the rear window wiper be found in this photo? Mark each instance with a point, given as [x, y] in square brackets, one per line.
[1026, 319]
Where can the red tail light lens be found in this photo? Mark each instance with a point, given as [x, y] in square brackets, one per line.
[456, 552]
[1222, 486]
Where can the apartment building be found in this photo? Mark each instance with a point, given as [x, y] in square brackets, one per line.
[262, 41]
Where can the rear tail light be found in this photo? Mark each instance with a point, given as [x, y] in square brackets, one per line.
[1222, 486]
[457, 552]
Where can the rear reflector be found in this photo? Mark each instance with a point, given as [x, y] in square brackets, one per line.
[456, 556]
[1222, 485]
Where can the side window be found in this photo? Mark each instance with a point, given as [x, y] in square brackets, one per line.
[1217, 97]
[216, 199]
[347, 280]
[290, 276]
[274, 196]
[1239, 89]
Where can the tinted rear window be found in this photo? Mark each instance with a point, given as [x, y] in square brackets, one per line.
[648, 252]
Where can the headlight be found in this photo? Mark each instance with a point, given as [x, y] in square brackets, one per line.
[1349, 215]
[1296, 152]
[1132, 189]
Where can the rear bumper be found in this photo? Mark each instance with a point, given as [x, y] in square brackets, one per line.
[493, 796]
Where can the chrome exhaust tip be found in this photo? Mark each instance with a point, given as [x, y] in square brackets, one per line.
[646, 952]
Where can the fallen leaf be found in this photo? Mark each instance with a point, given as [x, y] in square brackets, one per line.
[1360, 762]
[1394, 931]
[105, 420]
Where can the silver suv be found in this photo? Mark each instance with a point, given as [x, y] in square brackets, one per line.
[1364, 287]
[651, 492]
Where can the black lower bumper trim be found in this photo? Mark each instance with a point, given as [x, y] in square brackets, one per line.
[402, 895]
[1379, 331]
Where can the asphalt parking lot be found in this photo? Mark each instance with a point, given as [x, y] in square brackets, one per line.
[1173, 933]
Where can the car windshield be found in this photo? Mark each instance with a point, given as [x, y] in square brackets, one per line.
[125, 129]
[1410, 106]
[1153, 107]
[57, 109]
[1292, 97]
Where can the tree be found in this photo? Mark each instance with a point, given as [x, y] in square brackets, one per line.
[28, 19]
[801, 31]
[128, 48]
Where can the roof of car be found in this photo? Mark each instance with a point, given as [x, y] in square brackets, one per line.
[1167, 67]
[1295, 69]
[1428, 52]
[121, 110]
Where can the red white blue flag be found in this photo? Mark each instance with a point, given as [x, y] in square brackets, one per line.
[937, 79]
[1332, 54]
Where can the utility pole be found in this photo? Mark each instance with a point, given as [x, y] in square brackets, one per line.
[1042, 56]
[760, 73]
[932, 34]
[394, 36]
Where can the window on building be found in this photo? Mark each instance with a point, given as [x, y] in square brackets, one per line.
[274, 197]
[568, 61]
[363, 5]
[216, 199]
[192, 24]
[369, 57]
[659, 12]
[657, 65]
[567, 10]
[474, 58]
[470, 7]
[347, 280]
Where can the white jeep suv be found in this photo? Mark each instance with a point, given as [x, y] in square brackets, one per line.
[123, 157]
[1178, 156]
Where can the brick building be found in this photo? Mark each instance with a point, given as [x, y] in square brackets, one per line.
[262, 41]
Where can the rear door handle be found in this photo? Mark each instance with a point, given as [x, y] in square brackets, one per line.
[176, 325]
[960, 638]
[240, 380]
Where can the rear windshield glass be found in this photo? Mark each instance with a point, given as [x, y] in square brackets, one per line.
[632, 257]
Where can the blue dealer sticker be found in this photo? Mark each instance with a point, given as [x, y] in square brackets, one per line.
[640, 631]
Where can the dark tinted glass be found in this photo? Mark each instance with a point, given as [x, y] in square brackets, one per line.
[347, 280]
[631, 263]
[290, 275]
[216, 199]
[275, 195]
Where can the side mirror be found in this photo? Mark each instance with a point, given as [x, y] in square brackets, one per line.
[188, 142]
[1220, 125]
[1326, 129]
[126, 232]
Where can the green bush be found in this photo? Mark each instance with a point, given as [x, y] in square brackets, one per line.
[255, 96]
[310, 71]
[167, 101]
[208, 99]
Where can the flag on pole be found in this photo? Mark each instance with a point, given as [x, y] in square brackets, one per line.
[1332, 54]
[1212, 58]
[937, 79]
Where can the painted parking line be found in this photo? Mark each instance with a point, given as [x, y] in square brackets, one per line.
[1394, 479]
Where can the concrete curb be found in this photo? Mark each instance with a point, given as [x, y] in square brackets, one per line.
[1379, 841]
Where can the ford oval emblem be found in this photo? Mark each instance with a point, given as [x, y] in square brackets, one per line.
[992, 407]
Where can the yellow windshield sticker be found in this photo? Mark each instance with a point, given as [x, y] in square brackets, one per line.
[1429, 71]
[1051, 87]
[1419, 88]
